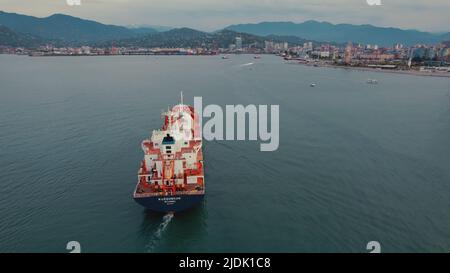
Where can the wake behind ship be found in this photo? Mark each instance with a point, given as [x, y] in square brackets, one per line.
[171, 176]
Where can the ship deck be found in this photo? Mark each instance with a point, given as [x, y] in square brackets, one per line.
[171, 171]
[148, 191]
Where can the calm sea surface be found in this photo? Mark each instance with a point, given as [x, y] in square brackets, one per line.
[356, 162]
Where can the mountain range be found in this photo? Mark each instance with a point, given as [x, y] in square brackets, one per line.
[66, 28]
[187, 37]
[11, 38]
[60, 29]
[342, 33]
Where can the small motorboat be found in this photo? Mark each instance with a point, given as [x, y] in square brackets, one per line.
[372, 81]
[312, 85]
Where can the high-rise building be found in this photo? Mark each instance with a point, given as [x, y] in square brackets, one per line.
[268, 46]
[238, 43]
[398, 46]
[308, 47]
[348, 53]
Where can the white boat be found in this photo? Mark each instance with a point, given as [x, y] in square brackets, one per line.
[372, 81]
[312, 85]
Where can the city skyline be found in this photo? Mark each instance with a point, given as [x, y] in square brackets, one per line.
[212, 15]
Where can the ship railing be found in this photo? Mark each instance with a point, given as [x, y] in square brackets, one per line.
[149, 194]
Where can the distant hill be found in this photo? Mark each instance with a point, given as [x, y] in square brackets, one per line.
[142, 30]
[445, 37]
[226, 37]
[154, 27]
[293, 40]
[341, 33]
[179, 37]
[187, 37]
[65, 28]
[11, 38]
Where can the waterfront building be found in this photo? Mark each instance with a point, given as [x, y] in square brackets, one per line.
[238, 43]
[268, 46]
[348, 53]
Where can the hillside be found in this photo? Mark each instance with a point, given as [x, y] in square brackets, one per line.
[341, 33]
[64, 28]
[11, 38]
[186, 37]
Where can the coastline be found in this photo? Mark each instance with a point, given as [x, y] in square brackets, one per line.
[355, 68]
[292, 62]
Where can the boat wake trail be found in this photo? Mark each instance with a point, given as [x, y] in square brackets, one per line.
[166, 220]
[247, 64]
[156, 237]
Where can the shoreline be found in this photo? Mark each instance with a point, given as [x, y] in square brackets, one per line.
[403, 72]
[292, 62]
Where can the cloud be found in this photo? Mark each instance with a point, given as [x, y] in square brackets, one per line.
[214, 14]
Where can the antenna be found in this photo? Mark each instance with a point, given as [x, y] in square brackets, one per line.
[181, 97]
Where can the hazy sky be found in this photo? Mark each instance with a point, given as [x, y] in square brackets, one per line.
[428, 15]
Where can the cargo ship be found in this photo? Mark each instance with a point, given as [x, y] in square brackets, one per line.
[171, 175]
